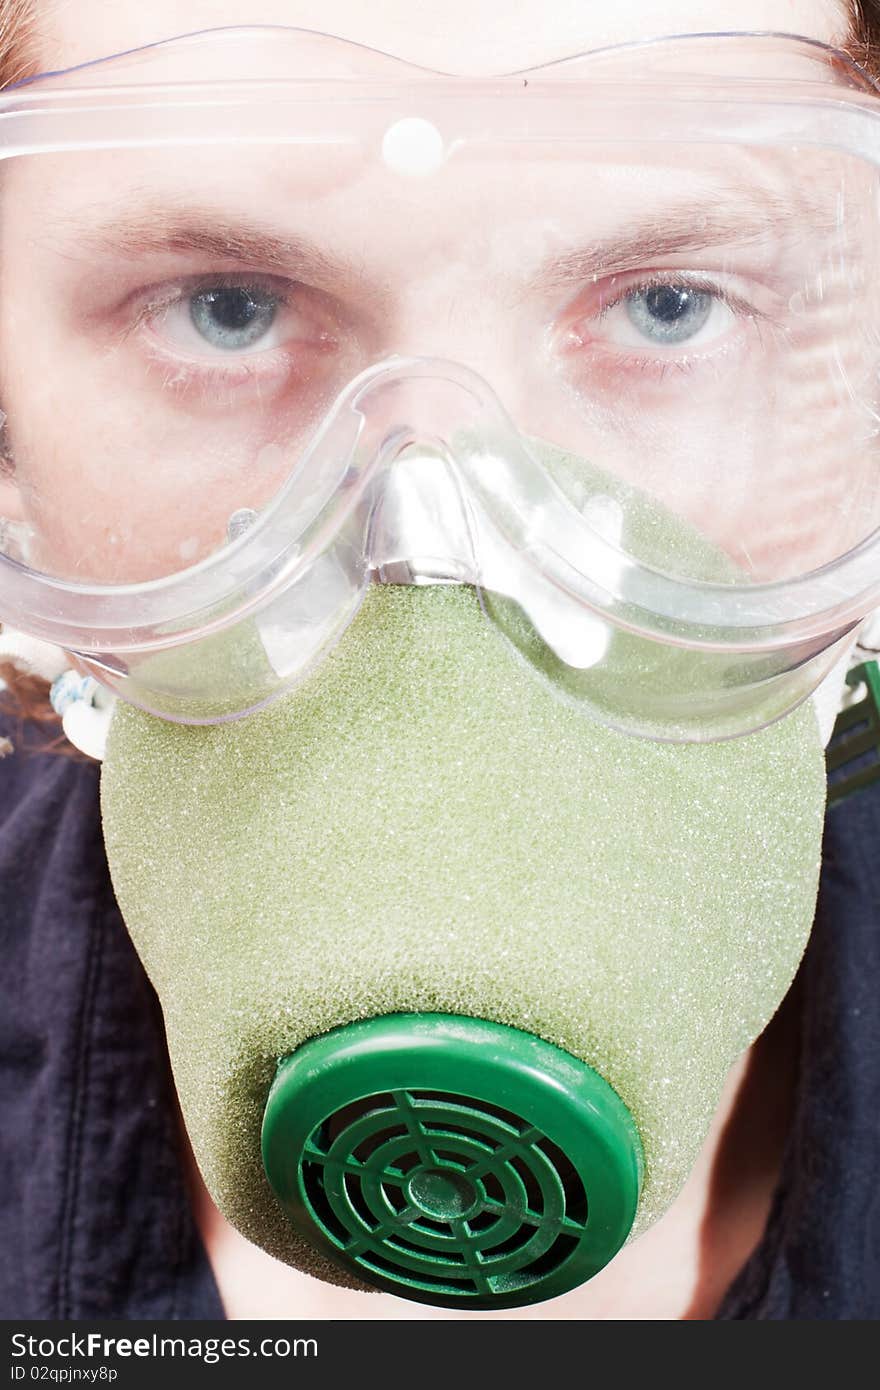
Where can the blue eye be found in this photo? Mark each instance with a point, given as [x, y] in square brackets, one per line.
[233, 317]
[668, 313]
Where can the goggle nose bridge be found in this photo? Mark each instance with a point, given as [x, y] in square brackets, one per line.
[428, 525]
[421, 528]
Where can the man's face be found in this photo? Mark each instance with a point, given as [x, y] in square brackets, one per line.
[167, 369]
[183, 318]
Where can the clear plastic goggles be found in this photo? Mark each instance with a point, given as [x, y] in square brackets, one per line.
[282, 317]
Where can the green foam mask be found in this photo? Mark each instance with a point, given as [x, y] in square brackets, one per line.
[453, 974]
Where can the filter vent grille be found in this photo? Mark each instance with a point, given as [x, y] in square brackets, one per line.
[451, 1160]
[444, 1193]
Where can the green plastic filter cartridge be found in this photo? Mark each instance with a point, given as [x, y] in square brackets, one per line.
[452, 1160]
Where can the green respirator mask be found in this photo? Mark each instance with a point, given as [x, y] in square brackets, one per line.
[453, 972]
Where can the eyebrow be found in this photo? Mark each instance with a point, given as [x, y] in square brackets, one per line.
[207, 233]
[670, 231]
[674, 231]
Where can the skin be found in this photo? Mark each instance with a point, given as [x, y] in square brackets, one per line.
[683, 1265]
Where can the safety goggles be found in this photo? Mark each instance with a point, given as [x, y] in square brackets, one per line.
[282, 318]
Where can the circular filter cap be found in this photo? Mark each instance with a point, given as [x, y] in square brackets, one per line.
[452, 1161]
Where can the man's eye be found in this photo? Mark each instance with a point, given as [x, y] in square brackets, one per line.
[668, 313]
[234, 317]
[213, 319]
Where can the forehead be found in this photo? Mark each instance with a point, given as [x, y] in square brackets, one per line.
[455, 35]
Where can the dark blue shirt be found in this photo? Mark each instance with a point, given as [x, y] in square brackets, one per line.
[95, 1216]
